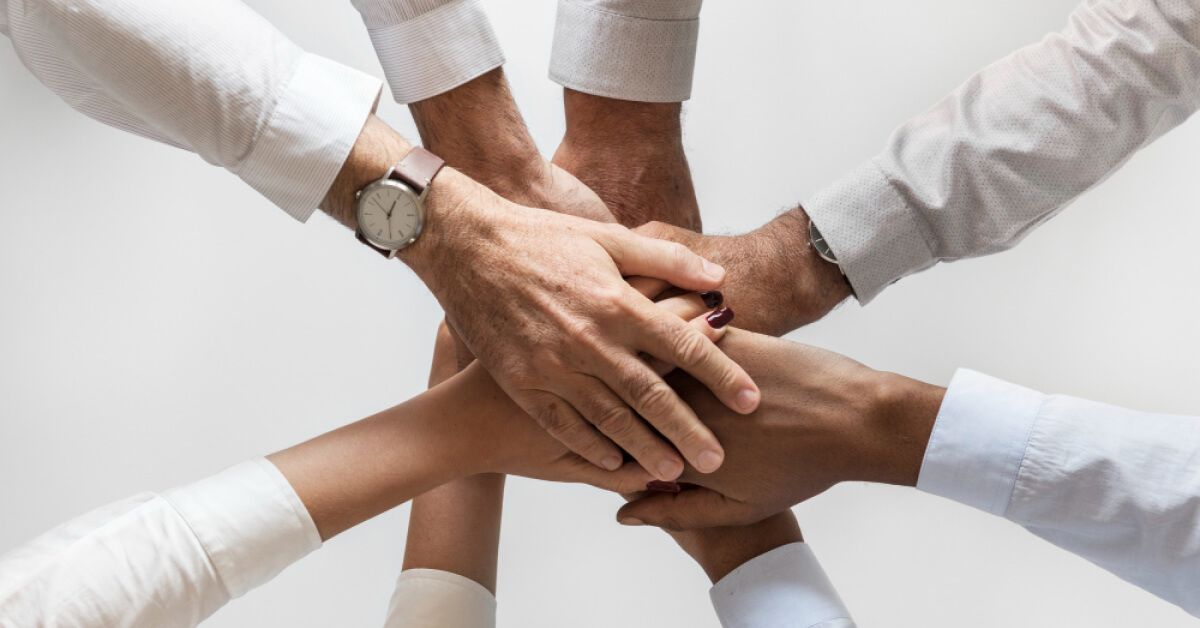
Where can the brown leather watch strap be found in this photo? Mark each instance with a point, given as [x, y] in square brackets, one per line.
[417, 169]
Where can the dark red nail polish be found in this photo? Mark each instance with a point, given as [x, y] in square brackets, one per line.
[658, 486]
[720, 318]
[712, 298]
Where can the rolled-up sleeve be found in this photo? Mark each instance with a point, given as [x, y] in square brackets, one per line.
[635, 50]
[215, 78]
[429, 47]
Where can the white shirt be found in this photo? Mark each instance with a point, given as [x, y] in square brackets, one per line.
[1016, 143]
[212, 77]
[627, 49]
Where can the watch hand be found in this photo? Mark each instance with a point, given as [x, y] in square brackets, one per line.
[392, 208]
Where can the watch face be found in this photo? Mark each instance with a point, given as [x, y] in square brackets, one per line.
[389, 215]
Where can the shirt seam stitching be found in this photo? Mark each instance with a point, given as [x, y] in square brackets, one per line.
[622, 16]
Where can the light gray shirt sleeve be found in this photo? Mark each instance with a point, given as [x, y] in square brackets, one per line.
[639, 50]
[1016, 143]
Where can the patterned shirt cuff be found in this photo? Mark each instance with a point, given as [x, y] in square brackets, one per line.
[310, 133]
[639, 51]
[875, 236]
[429, 47]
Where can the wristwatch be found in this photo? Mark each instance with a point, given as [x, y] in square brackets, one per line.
[821, 246]
[391, 211]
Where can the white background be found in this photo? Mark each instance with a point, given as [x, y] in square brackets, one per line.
[159, 322]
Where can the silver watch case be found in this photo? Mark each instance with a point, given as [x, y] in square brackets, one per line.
[418, 201]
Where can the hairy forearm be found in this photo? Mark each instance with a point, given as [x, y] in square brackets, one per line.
[478, 129]
[632, 155]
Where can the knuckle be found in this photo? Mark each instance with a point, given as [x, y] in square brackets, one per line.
[672, 522]
[655, 398]
[615, 421]
[553, 420]
[691, 348]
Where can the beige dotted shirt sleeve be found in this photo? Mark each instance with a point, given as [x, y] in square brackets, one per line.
[1016, 143]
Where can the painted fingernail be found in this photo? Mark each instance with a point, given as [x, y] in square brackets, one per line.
[658, 486]
[631, 521]
[668, 470]
[747, 399]
[712, 298]
[720, 318]
[713, 270]
[709, 461]
[612, 463]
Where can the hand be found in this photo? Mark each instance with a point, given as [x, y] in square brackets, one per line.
[504, 439]
[721, 550]
[824, 419]
[777, 281]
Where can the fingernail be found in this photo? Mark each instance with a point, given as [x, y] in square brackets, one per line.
[713, 270]
[658, 486]
[709, 461]
[668, 470]
[720, 318]
[612, 463]
[631, 521]
[747, 399]
[712, 298]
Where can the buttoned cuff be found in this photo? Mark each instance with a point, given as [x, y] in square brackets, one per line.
[783, 587]
[429, 598]
[979, 441]
[314, 124]
[250, 522]
[874, 234]
[429, 47]
[649, 57]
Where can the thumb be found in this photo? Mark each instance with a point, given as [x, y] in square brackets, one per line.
[660, 259]
[687, 510]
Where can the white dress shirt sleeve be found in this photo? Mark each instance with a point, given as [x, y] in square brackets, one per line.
[429, 47]
[1016, 143]
[160, 560]
[429, 598]
[627, 49]
[783, 587]
[1117, 487]
[214, 78]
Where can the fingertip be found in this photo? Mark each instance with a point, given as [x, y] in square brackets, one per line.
[669, 469]
[709, 460]
[747, 400]
[714, 271]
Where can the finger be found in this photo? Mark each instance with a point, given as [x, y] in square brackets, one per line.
[561, 421]
[685, 306]
[648, 286]
[687, 348]
[711, 324]
[629, 478]
[616, 420]
[687, 510]
[670, 261]
[651, 397]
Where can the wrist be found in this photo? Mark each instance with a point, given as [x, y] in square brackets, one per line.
[596, 121]
[719, 551]
[454, 216]
[898, 428]
[377, 148]
[815, 285]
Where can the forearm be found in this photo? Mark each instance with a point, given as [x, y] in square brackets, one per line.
[456, 528]
[631, 154]
[478, 129]
[721, 550]
[354, 473]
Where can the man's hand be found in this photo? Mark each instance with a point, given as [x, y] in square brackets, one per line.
[541, 299]
[776, 279]
[824, 419]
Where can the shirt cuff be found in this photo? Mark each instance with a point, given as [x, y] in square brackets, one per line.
[875, 236]
[648, 57]
[250, 522]
[784, 587]
[430, 47]
[979, 441]
[309, 135]
[429, 598]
